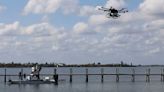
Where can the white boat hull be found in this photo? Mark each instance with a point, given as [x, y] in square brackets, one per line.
[31, 82]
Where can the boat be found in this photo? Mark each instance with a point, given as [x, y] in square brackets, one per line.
[34, 78]
[31, 82]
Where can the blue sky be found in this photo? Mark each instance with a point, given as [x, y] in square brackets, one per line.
[16, 8]
[74, 31]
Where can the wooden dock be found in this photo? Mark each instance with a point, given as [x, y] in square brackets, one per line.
[117, 75]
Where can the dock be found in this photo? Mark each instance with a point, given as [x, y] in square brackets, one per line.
[117, 75]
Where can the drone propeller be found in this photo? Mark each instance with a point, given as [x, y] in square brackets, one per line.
[99, 8]
[102, 8]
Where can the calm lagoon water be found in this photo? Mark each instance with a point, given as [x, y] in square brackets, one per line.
[94, 84]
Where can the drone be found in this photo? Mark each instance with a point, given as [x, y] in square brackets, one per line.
[112, 12]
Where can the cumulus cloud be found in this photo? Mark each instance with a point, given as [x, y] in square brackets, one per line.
[87, 10]
[41, 6]
[7, 29]
[115, 3]
[97, 19]
[134, 34]
[33, 37]
[153, 51]
[80, 27]
[42, 29]
[156, 24]
[132, 30]
[152, 7]
[49, 6]
[69, 6]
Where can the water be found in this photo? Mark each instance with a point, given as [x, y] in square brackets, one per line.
[94, 84]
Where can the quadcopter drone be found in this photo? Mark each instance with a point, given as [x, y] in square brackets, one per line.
[112, 12]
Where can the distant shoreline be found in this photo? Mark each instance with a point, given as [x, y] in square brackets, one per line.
[122, 64]
[12, 66]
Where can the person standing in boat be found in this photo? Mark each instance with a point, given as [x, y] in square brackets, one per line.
[36, 72]
[38, 69]
[20, 75]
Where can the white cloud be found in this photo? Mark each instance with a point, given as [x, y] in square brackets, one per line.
[69, 6]
[42, 36]
[153, 51]
[115, 3]
[8, 28]
[50, 6]
[42, 6]
[98, 19]
[87, 10]
[162, 32]
[80, 27]
[124, 34]
[42, 29]
[156, 24]
[134, 34]
[152, 7]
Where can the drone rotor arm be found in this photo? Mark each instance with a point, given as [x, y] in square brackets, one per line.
[123, 10]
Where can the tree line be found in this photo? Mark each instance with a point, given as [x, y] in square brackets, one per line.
[46, 64]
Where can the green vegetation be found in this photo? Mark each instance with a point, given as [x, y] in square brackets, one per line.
[12, 64]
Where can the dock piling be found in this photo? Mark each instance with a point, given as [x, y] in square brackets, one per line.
[148, 75]
[162, 75]
[133, 75]
[55, 76]
[5, 76]
[70, 80]
[21, 73]
[55, 71]
[102, 75]
[117, 75]
[86, 75]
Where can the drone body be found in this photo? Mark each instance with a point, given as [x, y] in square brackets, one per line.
[112, 12]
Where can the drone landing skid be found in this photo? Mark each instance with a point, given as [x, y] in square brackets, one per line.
[114, 17]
